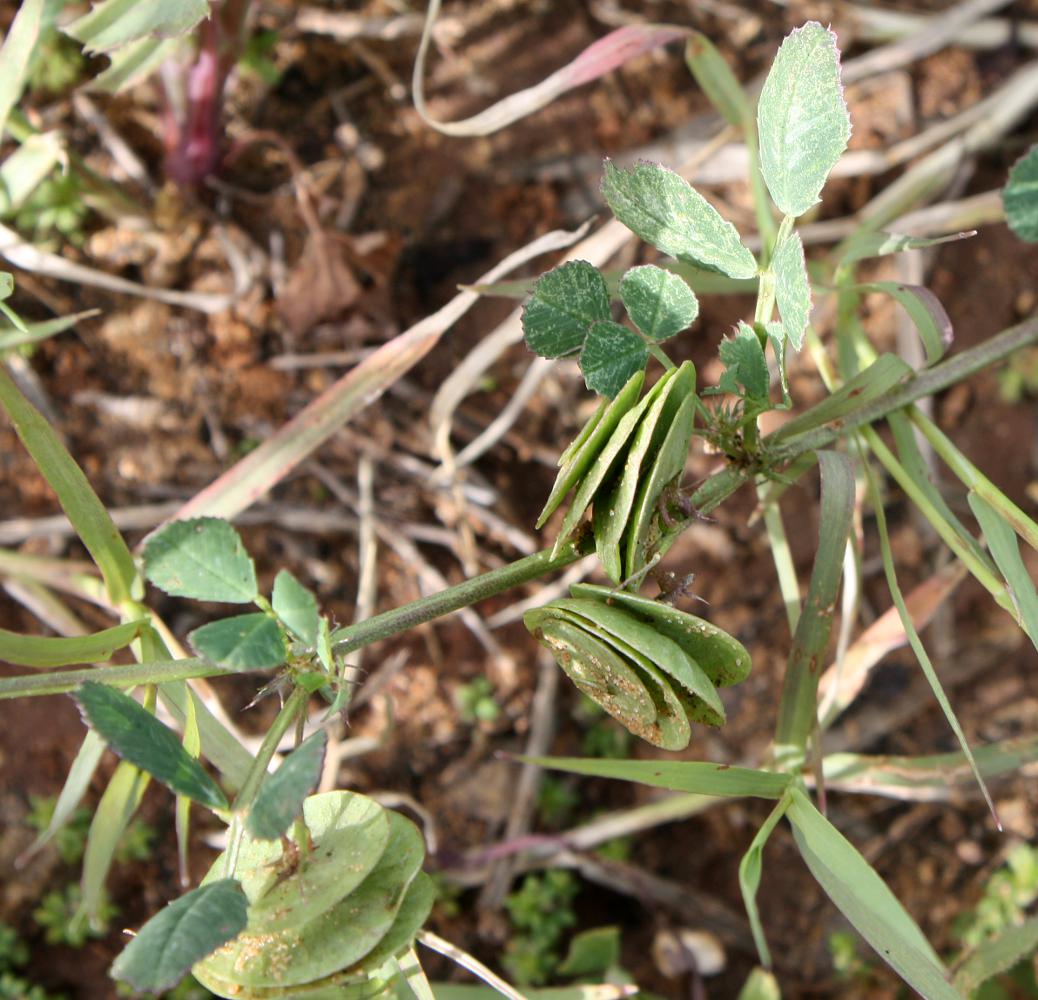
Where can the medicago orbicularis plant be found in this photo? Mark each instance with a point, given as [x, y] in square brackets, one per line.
[321, 895]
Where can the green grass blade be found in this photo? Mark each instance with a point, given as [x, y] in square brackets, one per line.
[114, 812]
[15, 54]
[49, 651]
[35, 332]
[974, 479]
[749, 878]
[798, 707]
[924, 310]
[879, 378]
[679, 776]
[864, 899]
[783, 558]
[86, 512]
[122, 676]
[1001, 540]
[915, 642]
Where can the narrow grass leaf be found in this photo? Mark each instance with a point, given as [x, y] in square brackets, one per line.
[35, 332]
[119, 802]
[26, 168]
[932, 778]
[884, 374]
[802, 118]
[925, 311]
[612, 355]
[659, 302]
[17, 50]
[296, 606]
[1020, 197]
[750, 869]
[864, 899]
[1004, 548]
[84, 510]
[798, 705]
[566, 303]
[716, 80]
[887, 555]
[77, 782]
[679, 776]
[875, 243]
[122, 676]
[665, 210]
[132, 63]
[138, 737]
[415, 976]
[204, 559]
[746, 368]
[183, 933]
[710, 282]
[997, 954]
[47, 651]
[792, 288]
[113, 23]
[280, 798]
[244, 642]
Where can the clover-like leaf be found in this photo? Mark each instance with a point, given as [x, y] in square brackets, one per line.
[565, 304]
[296, 606]
[202, 558]
[137, 736]
[792, 288]
[611, 355]
[659, 302]
[802, 118]
[745, 365]
[244, 642]
[183, 933]
[280, 798]
[1020, 197]
[666, 211]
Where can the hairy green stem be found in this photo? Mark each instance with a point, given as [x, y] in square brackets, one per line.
[389, 623]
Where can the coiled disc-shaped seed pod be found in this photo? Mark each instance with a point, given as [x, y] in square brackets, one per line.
[622, 463]
[655, 671]
[329, 920]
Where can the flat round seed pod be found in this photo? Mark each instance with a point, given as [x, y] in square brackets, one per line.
[582, 451]
[338, 938]
[669, 464]
[348, 832]
[617, 624]
[595, 669]
[606, 461]
[370, 989]
[612, 512]
[724, 659]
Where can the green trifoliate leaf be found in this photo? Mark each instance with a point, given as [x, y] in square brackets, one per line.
[792, 288]
[611, 355]
[659, 302]
[745, 365]
[565, 304]
[280, 798]
[203, 558]
[183, 933]
[802, 118]
[137, 736]
[244, 642]
[1020, 197]
[666, 211]
[296, 606]
[115, 22]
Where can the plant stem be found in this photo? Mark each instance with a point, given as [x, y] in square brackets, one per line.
[389, 623]
[660, 355]
[285, 718]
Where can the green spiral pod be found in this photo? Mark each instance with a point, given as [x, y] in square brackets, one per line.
[330, 922]
[621, 464]
[652, 667]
